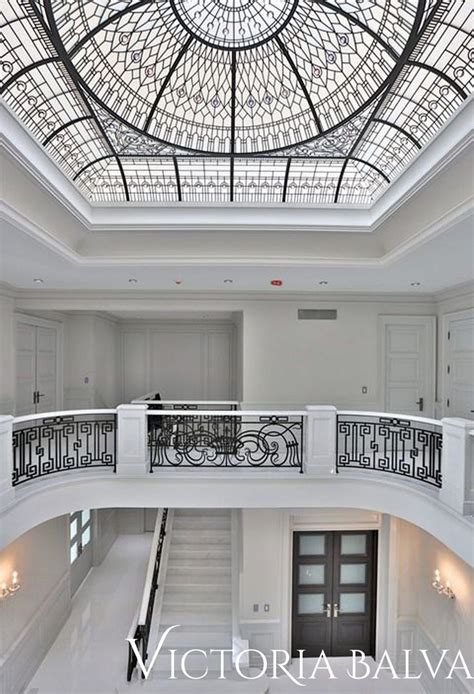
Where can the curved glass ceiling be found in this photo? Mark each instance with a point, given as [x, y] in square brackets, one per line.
[299, 101]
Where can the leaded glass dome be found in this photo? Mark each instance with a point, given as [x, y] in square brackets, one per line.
[303, 101]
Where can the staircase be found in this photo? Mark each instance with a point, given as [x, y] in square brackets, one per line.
[198, 590]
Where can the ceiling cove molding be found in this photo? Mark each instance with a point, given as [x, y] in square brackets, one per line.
[451, 140]
[22, 223]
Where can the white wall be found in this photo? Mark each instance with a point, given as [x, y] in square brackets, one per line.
[34, 615]
[105, 531]
[178, 359]
[322, 361]
[91, 362]
[426, 619]
[7, 355]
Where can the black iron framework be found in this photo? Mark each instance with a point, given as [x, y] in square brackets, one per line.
[307, 101]
[142, 632]
[397, 446]
[227, 441]
[59, 444]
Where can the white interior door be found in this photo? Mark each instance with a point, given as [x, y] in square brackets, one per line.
[408, 364]
[36, 368]
[25, 369]
[46, 360]
[459, 374]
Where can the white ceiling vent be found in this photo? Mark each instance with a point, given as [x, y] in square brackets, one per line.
[317, 314]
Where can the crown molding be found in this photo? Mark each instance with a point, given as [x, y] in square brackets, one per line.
[149, 300]
[466, 289]
[450, 142]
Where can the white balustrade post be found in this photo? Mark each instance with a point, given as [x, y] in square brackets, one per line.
[457, 465]
[131, 440]
[320, 440]
[6, 459]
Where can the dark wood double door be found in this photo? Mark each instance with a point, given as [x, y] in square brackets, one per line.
[334, 592]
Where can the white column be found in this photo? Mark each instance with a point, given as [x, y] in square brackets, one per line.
[320, 440]
[131, 440]
[6, 460]
[457, 465]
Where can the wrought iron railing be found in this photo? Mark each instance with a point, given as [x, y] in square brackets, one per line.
[409, 447]
[141, 635]
[231, 440]
[47, 445]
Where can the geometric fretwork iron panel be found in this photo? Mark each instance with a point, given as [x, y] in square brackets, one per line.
[298, 101]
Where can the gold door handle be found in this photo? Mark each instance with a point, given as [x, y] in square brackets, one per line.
[328, 610]
[335, 609]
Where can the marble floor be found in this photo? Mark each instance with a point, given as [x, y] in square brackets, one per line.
[90, 653]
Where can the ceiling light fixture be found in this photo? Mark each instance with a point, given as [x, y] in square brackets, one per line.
[133, 280]
[228, 281]
[416, 284]
[38, 280]
[323, 283]
[178, 282]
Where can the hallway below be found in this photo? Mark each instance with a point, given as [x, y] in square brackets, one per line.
[89, 655]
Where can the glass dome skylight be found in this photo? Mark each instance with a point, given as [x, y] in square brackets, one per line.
[304, 101]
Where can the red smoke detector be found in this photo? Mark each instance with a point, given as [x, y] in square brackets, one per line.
[276, 283]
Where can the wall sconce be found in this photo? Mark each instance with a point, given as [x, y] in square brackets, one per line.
[6, 590]
[439, 586]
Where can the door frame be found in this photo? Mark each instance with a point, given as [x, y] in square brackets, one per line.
[387, 569]
[414, 319]
[445, 320]
[58, 327]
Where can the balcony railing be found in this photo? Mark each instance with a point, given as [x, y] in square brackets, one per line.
[230, 440]
[64, 441]
[409, 447]
[136, 439]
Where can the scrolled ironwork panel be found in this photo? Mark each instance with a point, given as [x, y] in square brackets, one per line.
[395, 446]
[197, 440]
[59, 444]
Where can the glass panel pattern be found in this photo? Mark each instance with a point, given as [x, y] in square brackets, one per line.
[86, 516]
[73, 552]
[353, 544]
[311, 603]
[211, 101]
[353, 573]
[312, 545]
[352, 603]
[311, 574]
[86, 536]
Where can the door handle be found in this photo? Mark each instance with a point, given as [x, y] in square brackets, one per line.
[419, 402]
[35, 392]
[39, 395]
[335, 609]
[328, 610]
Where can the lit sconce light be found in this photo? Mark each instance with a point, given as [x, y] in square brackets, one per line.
[6, 590]
[439, 586]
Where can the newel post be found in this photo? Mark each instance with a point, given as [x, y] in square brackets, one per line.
[320, 440]
[6, 459]
[131, 440]
[457, 465]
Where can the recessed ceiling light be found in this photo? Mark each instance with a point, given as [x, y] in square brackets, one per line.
[228, 281]
[38, 280]
[178, 281]
[276, 283]
[323, 283]
[133, 280]
[416, 284]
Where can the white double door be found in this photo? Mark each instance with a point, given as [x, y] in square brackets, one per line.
[36, 368]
